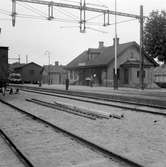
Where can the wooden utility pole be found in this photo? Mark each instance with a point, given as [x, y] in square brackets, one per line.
[116, 52]
[141, 73]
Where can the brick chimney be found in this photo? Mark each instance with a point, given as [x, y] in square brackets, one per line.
[114, 41]
[56, 63]
[101, 44]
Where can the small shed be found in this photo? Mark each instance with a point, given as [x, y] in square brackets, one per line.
[30, 73]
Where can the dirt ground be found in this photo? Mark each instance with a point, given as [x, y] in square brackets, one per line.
[138, 136]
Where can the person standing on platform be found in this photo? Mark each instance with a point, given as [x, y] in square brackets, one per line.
[67, 83]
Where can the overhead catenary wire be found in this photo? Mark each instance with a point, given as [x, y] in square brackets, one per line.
[32, 9]
[73, 16]
[41, 13]
[94, 17]
[84, 8]
[68, 14]
[70, 1]
[97, 5]
[5, 19]
[94, 29]
[42, 18]
[5, 12]
[33, 17]
[90, 28]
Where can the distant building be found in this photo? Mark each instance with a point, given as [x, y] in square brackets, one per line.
[54, 74]
[14, 65]
[30, 73]
[97, 64]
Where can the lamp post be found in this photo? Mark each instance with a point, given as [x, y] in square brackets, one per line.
[47, 53]
[115, 45]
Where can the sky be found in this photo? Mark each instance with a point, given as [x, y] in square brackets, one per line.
[60, 40]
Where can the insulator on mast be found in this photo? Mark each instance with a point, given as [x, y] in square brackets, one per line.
[13, 13]
[50, 11]
[104, 20]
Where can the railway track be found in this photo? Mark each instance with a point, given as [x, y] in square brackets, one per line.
[24, 160]
[114, 159]
[91, 114]
[151, 109]
[155, 103]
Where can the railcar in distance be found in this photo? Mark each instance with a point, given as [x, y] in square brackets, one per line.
[15, 78]
[3, 69]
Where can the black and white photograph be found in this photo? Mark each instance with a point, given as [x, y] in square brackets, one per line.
[82, 83]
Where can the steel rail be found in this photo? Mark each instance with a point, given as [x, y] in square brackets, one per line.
[100, 96]
[99, 148]
[14, 148]
[72, 109]
[105, 104]
[62, 108]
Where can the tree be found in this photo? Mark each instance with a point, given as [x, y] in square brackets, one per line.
[155, 35]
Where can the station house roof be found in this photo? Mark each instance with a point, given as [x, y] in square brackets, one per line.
[102, 56]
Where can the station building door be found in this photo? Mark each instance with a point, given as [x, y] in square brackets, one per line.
[126, 76]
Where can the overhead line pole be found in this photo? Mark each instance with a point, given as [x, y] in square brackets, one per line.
[84, 21]
[83, 8]
[80, 15]
[78, 7]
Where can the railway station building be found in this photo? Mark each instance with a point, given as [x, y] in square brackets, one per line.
[97, 65]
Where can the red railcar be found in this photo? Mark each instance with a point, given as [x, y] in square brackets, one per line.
[3, 68]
